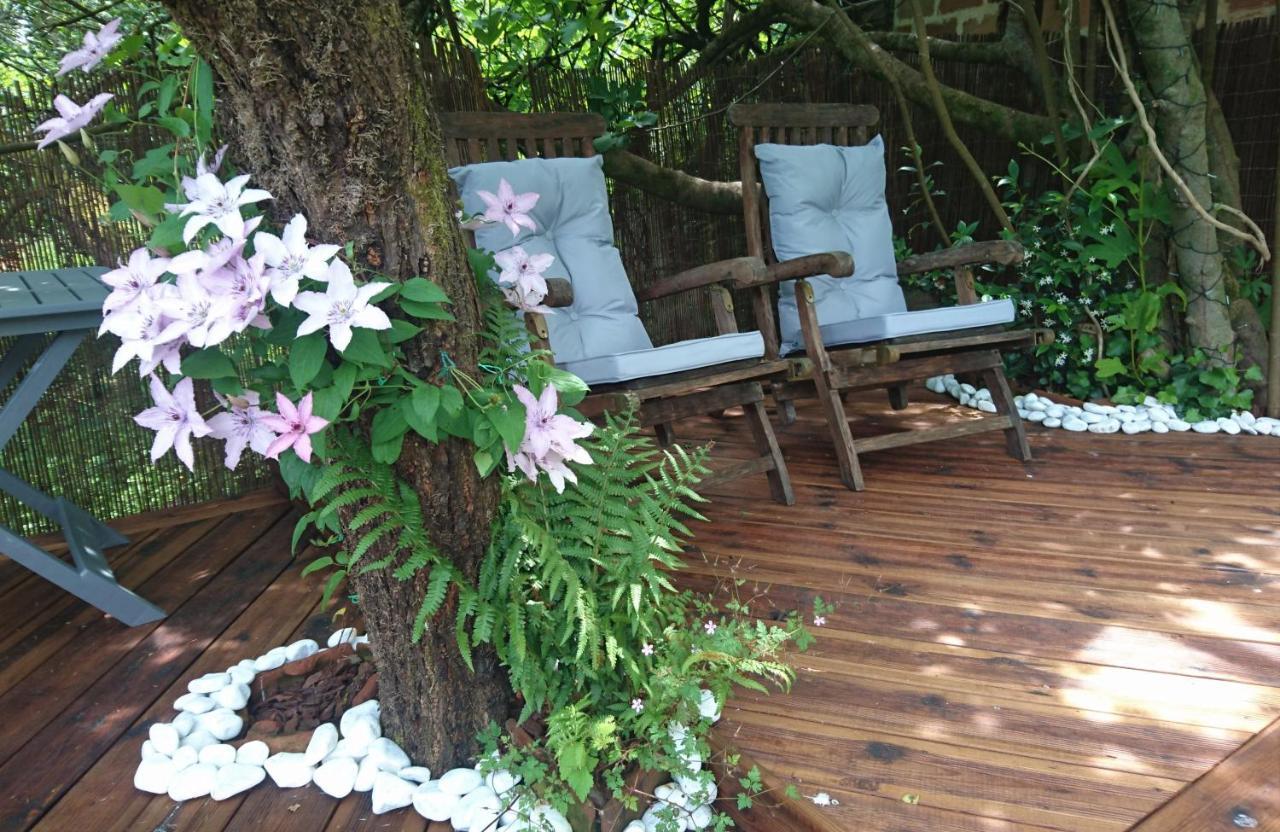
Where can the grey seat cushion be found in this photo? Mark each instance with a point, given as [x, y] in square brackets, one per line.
[573, 225]
[600, 337]
[672, 358]
[828, 198]
[922, 322]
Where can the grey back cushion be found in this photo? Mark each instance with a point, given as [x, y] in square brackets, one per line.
[573, 225]
[828, 198]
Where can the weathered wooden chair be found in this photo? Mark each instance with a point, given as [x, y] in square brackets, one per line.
[593, 328]
[813, 194]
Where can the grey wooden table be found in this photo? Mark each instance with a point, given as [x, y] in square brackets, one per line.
[66, 303]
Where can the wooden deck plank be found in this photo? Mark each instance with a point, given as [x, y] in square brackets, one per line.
[55, 757]
[1241, 792]
[1062, 645]
[43, 692]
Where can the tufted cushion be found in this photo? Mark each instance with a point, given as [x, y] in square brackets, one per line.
[920, 322]
[573, 225]
[828, 198]
[669, 358]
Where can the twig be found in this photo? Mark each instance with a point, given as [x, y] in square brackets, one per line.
[1116, 50]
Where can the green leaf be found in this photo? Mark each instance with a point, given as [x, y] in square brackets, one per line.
[388, 424]
[365, 348]
[175, 125]
[402, 330]
[1109, 367]
[426, 311]
[228, 386]
[208, 363]
[423, 291]
[141, 198]
[306, 357]
[509, 422]
[344, 379]
[316, 565]
[388, 452]
[426, 401]
[451, 399]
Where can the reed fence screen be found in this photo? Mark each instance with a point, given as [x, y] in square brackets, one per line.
[81, 441]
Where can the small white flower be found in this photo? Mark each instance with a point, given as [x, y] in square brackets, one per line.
[1088, 353]
[710, 627]
[819, 620]
[1065, 339]
[1060, 360]
[647, 649]
[824, 799]
[637, 705]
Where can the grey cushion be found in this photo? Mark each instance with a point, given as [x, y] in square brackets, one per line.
[672, 358]
[829, 198]
[573, 225]
[924, 321]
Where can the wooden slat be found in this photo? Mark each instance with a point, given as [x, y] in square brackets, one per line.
[529, 125]
[1241, 792]
[954, 430]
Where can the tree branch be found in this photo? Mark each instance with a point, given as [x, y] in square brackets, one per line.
[674, 185]
[852, 43]
[970, 52]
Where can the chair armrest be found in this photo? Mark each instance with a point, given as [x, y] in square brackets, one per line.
[1005, 252]
[834, 263]
[722, 271]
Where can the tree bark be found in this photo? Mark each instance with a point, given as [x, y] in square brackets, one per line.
[326, 106]
[1165, 51]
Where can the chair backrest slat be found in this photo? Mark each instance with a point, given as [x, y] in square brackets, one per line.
[504, 136]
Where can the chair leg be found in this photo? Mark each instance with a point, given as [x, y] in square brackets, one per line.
[786, 408]
[1015, 436]
[666, 433]
[841, 438]
[898, 396]
[767, 444]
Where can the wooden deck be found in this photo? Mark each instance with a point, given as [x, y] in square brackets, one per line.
[1088, 642]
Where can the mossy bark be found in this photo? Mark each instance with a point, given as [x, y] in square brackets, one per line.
[326, 106]
[1180, 110]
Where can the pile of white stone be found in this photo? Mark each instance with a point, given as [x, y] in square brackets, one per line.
[191, 757]
[1149, 417]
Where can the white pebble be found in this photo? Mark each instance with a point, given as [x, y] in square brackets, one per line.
[1206, 426]
[186, 756]
[1035, 416]
[1178, 425]
[417, 774]
[195, 703]
[352, 750]
[192, 782]
[149, 751]
[388, 756]
[362, 729]
[1136, 427]
[1074, 424]
[1105, 426]
[459, 781]
[269, 660]
[233, 697]
[1052, 422]
[301, 649]
[390, 793]
[222, 723]
[337, 777]
[253, 753]
[432, 803]
[184, 722]
[1159, 427]
[986, 406]
[342, 636]
[323, 740]
[235, 778]
[209, 683]
[164, 738]
[1228, 426]
[154, 775]
[288, 770]
[365, 775]
[241, 675]
[198, 739]
[218, 755]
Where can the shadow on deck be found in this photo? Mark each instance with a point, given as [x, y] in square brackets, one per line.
[1069, 644]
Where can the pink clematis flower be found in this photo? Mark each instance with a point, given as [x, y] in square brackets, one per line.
[199, 313]
[217, 203]
[521, 277]
[508, 207]
[295, 426]
[290, 259]
[175, 419]
[141, 328]
[130, 281]
[342, 307]
[71, 117]
[548, 442]
[97, 45]
[242, 425]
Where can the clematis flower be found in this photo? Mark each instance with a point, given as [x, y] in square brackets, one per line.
[508, 207]
[130, 281]
[204, 262]
[290, 259]
[71, 117]
[175, 419]
[548, 442]
[219, 204]
[295, 426]
[521, 278]
[242, 425]
[342, 307]
[199, 313]
[97, 45]
[141, 329]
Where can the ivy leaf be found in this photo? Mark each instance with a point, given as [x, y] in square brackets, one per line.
[1109, 367]
[208, 363]
[402, 330]
[509, 422]
[365, 348]
[306, 357]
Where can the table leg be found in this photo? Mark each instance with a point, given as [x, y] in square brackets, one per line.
[37, 381]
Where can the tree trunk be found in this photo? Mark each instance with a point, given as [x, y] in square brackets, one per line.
[1164, 49]
[326, 106]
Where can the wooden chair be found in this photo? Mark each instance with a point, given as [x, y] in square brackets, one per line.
[661, 400]
[828, 372]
